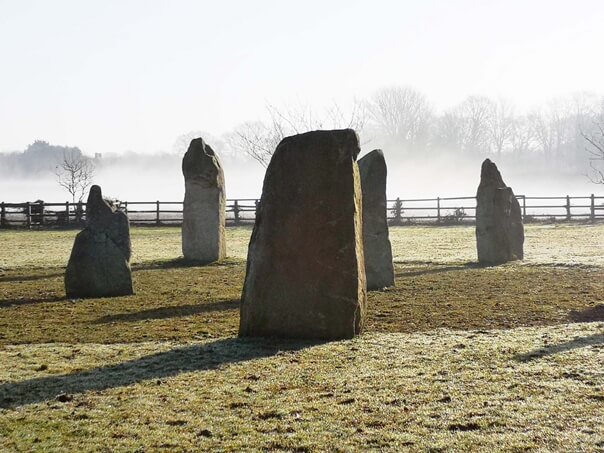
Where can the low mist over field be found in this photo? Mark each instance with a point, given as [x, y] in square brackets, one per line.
[411, 180]
[158, 176]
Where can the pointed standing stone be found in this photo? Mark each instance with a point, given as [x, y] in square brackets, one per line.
[499, 228]
[204, 206]
[378, 251]
[99, 265]
[305, 269]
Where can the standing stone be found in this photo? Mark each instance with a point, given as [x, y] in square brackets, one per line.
[99, 265]
[204, 207]
[499, 229]
[377, 248]
[305, 268]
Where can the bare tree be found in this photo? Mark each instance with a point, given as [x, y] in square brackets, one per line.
[562, 123]
[586, 117]
[595, 141]
[449, 130]
[75, 173]
[543, 132]
[521, 137]
[558, 127]
[501, 125]
[353, 118]
[259, 139]
[467, 127]
[402, 113]
[476, 112]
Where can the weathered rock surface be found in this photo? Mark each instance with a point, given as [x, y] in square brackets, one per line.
[378, 251]
[499, 228]
[203, 227]
[99, 265]
[305, 269]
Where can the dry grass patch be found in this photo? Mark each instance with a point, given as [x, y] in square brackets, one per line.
[176, 301]
[512, 390]
[173, 301]
[470, 297]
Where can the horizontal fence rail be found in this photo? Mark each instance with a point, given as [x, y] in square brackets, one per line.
[441, 210]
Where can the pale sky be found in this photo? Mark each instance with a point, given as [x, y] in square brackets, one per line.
[116, 75]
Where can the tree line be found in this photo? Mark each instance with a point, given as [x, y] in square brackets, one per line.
[566, 132]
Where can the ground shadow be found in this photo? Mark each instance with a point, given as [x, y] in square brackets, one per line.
[167, 264]
[6, 303]
[577, 343]
[177, 311]
[181, 263]
[590, 314]
[439, 268]
[29, 278]
[167, 364]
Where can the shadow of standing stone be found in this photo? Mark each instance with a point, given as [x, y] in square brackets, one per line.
[203, 226]
[305, 269]
[99, 265]
[377, 249]
[499, 228]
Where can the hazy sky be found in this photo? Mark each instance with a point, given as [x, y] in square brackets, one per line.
[115, 75]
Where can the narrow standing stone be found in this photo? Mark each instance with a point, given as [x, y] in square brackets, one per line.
[305, 269]
[378, 251]
[499, 228]
[203, 226]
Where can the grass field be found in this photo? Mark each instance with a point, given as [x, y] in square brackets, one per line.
[456, 357]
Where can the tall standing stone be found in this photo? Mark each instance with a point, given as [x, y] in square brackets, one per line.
[99, 265]
[204, 206]
[305, 269]
[499, 228]
[378, 251]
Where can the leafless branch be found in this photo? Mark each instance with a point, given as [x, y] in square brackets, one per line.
[75, 173]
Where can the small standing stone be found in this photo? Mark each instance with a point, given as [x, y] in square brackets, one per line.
[99, 265]
[378, 251]
[203, 227]
[305, 269]
[499, 228]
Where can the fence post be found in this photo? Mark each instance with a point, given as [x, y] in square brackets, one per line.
[2, 215]
[593, 208]
[398, 211]
[438, 209]
[157, 213]
[126, 207]
[28, 214]
[42, 213]
[256, 211]
[67, 213]
[568, 216]
[523, 208]
[79, 214]
[236, 212]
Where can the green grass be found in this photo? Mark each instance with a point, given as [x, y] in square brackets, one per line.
[51, 248]
[455, 358]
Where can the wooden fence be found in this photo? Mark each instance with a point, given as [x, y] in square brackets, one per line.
[441, 210]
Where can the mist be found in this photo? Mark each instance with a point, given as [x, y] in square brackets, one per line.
[129, 177]
[158, 176]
